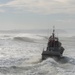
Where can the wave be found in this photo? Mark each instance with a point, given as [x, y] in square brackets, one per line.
[25, 39]
[23, 36]
[29, 38]
[46, 67]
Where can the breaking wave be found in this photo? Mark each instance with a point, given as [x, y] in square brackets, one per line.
[24, 39]
[29, 38]
[33, 66]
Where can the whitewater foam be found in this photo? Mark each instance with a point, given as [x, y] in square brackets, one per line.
[21, 55]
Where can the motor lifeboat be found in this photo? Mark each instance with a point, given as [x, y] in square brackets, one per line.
[54, 47]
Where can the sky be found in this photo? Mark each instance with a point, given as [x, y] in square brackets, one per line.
[37, 14]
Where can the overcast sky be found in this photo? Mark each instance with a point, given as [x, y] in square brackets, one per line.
[37, 14]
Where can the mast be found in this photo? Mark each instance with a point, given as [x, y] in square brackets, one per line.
[53, 34]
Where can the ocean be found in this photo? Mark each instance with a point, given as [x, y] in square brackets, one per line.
[20, 54]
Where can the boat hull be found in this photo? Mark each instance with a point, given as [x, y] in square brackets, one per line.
[47, 54]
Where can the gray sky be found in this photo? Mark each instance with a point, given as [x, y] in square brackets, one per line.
[37, 14]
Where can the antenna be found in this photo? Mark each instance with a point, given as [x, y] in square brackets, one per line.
[53, 29]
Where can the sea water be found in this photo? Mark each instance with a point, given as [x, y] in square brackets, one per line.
[20, 54]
